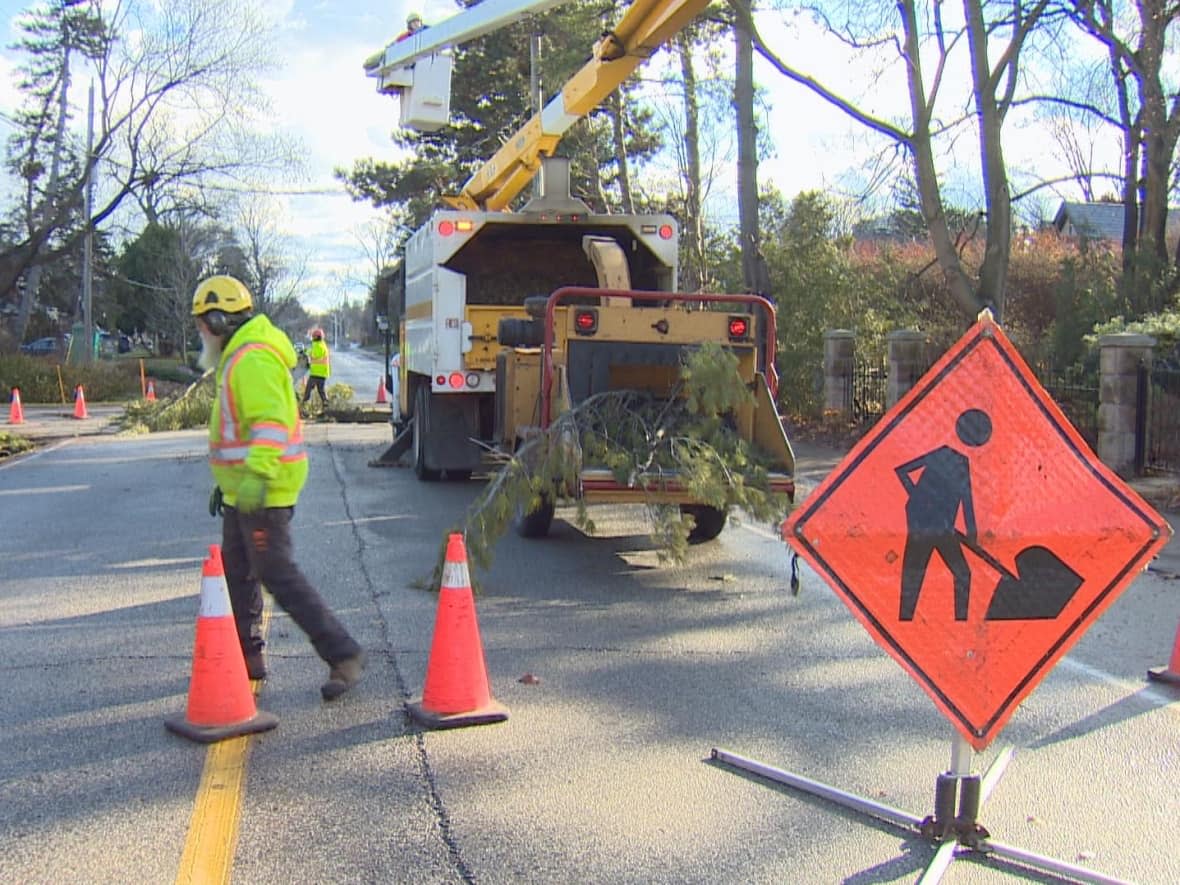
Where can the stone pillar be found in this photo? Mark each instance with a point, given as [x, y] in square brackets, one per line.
[907, 363]
[839, 359]
[1118, 379]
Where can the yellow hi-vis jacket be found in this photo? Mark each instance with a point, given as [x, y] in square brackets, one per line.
[317, 356]
[254, 426]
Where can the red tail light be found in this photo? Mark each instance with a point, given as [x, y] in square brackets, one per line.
[446, 228]
[739, 328]
[666, 231]
[585, 322]
[456, 380]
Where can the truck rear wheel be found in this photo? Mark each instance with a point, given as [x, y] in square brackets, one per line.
[421, 422]
[535, 523]
[709, 521]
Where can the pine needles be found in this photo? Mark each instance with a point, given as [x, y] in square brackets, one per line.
[646, 442]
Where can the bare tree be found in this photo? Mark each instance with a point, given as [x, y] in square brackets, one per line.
[1148, 114]
[695, 115]
[195, 245]
[995, 34]
[275, 275]
[378, 239]
[176, 91]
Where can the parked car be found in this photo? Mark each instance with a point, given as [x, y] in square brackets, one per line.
[42, 347]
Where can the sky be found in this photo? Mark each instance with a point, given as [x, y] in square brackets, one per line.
[321, 97]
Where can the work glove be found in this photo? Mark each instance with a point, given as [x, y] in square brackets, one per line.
[251, 494]
[215, 502]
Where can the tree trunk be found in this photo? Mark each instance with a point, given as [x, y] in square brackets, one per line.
[755, 274]
[1156, 143]
[615, 107]
[998, 249]
[694, 246]
[926, 175]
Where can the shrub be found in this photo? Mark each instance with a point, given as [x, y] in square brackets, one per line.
[10, 444]
[171, 370]
[44, 381]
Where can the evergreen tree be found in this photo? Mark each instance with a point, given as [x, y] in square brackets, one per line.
[40, 152]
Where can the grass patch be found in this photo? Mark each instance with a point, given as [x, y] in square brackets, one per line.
[11, 444]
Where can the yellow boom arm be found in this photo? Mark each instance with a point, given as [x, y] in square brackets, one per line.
[646, 26]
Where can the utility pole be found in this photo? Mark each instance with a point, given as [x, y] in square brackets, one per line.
[88, 242]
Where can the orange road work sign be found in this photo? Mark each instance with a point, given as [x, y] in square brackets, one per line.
[974, 533]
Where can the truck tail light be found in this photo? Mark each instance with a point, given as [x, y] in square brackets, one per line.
[472, 379]
[585, 321]
[455, 380]
[739, 328]
[446, 228]
[666, 231]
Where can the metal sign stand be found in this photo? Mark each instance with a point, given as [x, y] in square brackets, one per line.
[957, 834]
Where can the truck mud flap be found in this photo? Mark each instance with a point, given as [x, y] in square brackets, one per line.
[402, 440]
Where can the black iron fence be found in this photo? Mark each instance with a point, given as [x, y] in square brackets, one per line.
[1075, 391]
[1157, 425]
[868, 390]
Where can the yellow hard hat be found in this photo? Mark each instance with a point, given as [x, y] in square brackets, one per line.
[224, 293]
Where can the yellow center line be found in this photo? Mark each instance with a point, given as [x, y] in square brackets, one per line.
[213, 830]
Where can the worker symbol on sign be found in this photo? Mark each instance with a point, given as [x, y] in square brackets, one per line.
[939, 486]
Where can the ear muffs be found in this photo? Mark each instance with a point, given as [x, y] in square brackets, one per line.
[217, 322]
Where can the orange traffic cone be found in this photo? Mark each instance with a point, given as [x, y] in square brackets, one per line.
[457, 690]
[16, 415]
[151, 393]
[1170, 673]
[381, 392]
[80, 403]
[220, 702]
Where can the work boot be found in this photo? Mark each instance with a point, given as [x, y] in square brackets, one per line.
[342, 676]
[255, 665]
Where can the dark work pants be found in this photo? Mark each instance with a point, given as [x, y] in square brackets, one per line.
[256, 550]
[317, 384]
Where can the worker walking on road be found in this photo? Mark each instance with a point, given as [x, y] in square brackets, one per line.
[259, 465]
[319, 367]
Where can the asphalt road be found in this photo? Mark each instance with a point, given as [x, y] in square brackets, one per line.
[635, 671]
[359, 369]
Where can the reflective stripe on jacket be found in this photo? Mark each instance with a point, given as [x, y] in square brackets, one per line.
[318, 357]
[254, 425]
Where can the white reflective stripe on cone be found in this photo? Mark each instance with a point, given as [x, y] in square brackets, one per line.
[214, 598]
[455, 575]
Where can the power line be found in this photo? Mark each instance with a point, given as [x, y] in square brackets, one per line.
[276, 192]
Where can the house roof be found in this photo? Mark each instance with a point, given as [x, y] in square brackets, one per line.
[1099, 221]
